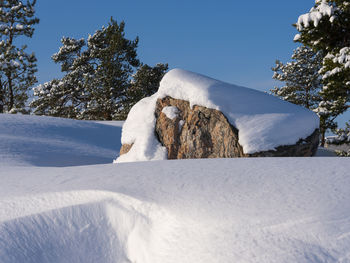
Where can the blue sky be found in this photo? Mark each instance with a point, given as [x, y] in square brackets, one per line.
[234, 41]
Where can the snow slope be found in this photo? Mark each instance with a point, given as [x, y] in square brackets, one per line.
[46, 141]
[259, 210]
[264, 121]
[225, 210]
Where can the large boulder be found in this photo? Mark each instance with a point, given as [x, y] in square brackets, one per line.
[193, 116]
[200, 132]
[206, 133]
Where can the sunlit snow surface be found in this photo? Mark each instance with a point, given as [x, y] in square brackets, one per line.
[264, 121]
[47, 141]
[259, 210]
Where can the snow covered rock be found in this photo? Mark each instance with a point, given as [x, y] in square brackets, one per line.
[201, 132]
[194, 116]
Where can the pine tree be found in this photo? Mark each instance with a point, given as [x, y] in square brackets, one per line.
[66, 97]
[97, 76]
[145, 83]
[342, 135]
[328, 111]
[326, 28]
[17, 68]
[301, 78]
[303, 86]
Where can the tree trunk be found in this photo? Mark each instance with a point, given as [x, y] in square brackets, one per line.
[1, 98]
[323, 139]
[307, 98]
[1, 102]
[11, 96]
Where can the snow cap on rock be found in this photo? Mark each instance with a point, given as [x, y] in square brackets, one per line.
[264, 121]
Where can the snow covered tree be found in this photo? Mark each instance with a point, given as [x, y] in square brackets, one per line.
[342, 135]
[17, 68]
[115, 58]
[65, 97]
[328, 111]
[97, 76]
[145, 83]
[301, 78]
[326, 28]
[303, 85]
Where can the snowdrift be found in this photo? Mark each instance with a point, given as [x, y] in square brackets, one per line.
[264, 121]
[223, 210]
[217, 210]
[47, 141]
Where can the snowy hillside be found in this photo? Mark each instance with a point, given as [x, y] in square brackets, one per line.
[45, 141]
[219, 210]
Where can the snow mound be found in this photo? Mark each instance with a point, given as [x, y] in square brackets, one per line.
[254, 210]
[47, 141]
[95, 226]
[264, 121]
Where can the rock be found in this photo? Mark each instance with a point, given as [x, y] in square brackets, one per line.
[201, 132]
[206, 133]
[125, 148]
[225, 120]
[195, 133]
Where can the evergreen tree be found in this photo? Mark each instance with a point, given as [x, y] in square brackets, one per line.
[17, 68]
[303, 86]
[328, 111]
[301, 78]
[342, 135]
[145, 83]
[326, 28]
[65, 97]
[115, 58]
[97, 76]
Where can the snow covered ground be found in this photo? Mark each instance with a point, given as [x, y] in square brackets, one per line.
[215, 210]
[45, 141]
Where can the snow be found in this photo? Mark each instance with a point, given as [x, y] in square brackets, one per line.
[56, 141]
[259, 210]
[342, 58]
[297, 37]
[316, 14]
[264, 121]
[171, 112]
[338, 139]
[19, 27]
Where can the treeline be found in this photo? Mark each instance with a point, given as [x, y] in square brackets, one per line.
[102, 75]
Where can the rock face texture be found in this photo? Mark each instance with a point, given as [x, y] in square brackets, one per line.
[125, 148]
[201, 132]
[195, 133]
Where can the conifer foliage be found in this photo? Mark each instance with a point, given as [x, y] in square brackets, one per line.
[17, 67]
[145, 83]
[303, 86]
[97, 79]
[326, 28]
[301, 78]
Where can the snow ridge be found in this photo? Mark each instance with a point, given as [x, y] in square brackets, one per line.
[81, 224]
